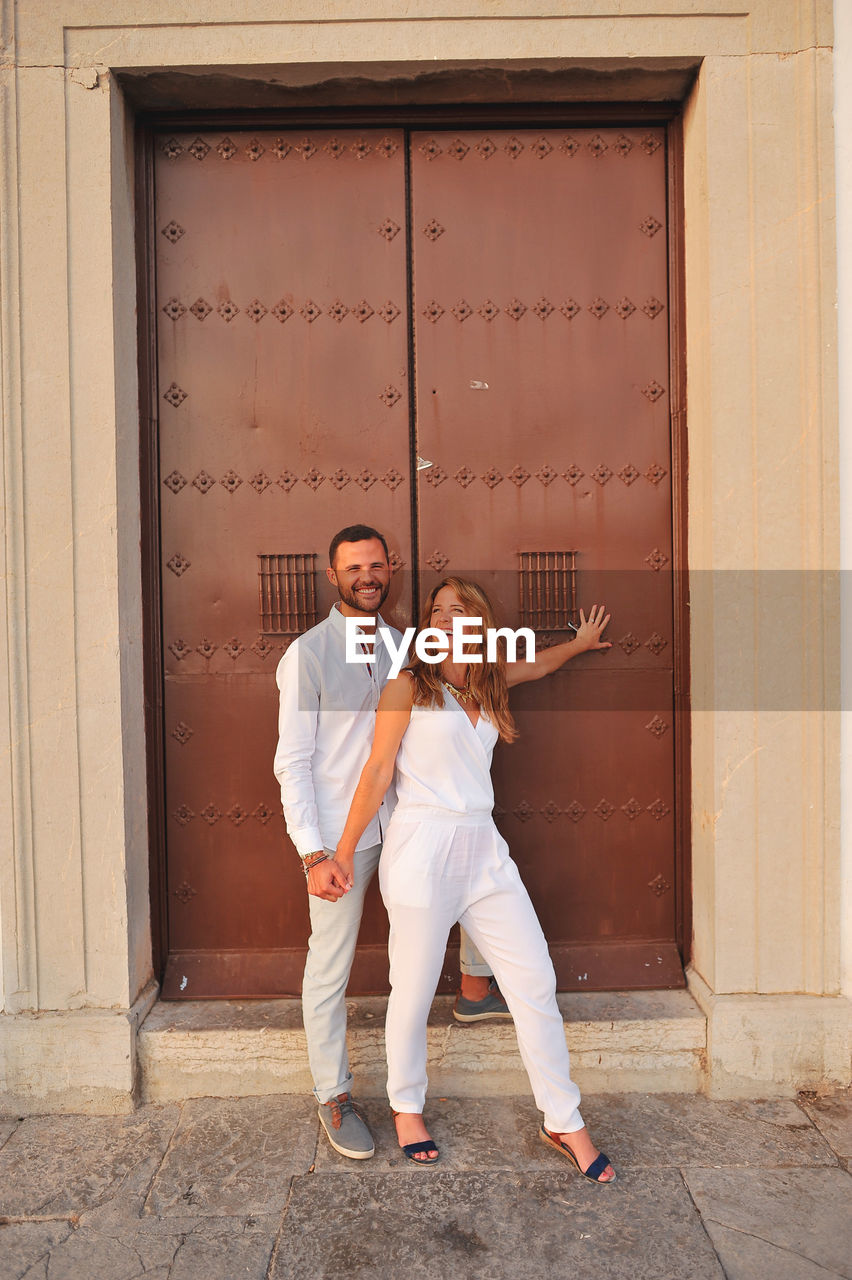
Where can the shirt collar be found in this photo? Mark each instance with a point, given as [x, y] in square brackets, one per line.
[339, 621]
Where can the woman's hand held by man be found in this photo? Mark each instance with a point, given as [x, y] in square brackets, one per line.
[329, 880]
[345, 860]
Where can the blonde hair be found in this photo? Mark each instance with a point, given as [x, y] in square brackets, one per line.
[486, 680]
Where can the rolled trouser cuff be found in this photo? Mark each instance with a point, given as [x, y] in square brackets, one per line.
[329, 1095]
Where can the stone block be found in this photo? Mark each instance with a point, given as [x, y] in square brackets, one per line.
[670, 1131]
[27, 1247]
[621, 1041]
[763, 1045]
[791, 1224]
[80, 1060]
[234, 1156]
[64, 1165]
[494, 1225]
[179, 1249]
[833, 1117]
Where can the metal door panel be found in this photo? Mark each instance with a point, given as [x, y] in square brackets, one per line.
[227, 826]
[282, 358]
[561, 230]
[588, 822]
[540, 312]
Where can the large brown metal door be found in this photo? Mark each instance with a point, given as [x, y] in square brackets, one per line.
[540, 312]
[283, 409]
[526, 274]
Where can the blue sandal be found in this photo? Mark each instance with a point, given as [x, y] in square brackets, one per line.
[595, 1169]
[412, 1149]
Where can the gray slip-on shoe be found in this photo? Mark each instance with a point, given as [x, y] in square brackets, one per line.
[491, 1006]
[346, 1128]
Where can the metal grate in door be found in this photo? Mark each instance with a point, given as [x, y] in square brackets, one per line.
[288, 593]
[548, 589]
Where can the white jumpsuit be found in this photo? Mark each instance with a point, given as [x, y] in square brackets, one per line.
[445, 861]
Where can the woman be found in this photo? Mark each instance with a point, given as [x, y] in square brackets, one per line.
[444, 861]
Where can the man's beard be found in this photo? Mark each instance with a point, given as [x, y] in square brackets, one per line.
[354, 601]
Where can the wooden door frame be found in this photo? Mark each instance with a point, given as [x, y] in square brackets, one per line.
[444, 117]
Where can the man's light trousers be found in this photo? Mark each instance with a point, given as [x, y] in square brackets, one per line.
[331, 949]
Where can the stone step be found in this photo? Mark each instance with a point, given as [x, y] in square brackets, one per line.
[635, 1041]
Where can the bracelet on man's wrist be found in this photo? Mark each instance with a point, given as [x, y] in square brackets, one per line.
[313, 860]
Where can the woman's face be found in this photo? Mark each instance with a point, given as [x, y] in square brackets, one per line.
[447, 606]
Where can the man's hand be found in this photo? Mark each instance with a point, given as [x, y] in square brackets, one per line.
[328, 880]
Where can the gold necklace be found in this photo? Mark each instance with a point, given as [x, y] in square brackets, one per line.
[463, 695]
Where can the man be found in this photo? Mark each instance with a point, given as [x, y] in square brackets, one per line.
[326, 719]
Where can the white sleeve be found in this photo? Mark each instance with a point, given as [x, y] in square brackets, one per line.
[298, 708]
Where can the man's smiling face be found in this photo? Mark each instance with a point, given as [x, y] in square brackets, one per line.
[362, 575]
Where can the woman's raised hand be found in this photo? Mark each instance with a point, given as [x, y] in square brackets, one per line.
[590, 629]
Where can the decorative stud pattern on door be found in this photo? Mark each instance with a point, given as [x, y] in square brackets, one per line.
[539, 323]
[542, 361]
[283, 354]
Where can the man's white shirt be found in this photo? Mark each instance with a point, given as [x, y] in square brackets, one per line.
[326, 718]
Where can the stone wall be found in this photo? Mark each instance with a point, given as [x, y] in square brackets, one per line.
[843, 145]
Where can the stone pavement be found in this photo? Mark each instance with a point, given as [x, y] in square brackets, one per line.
[223, 1189]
